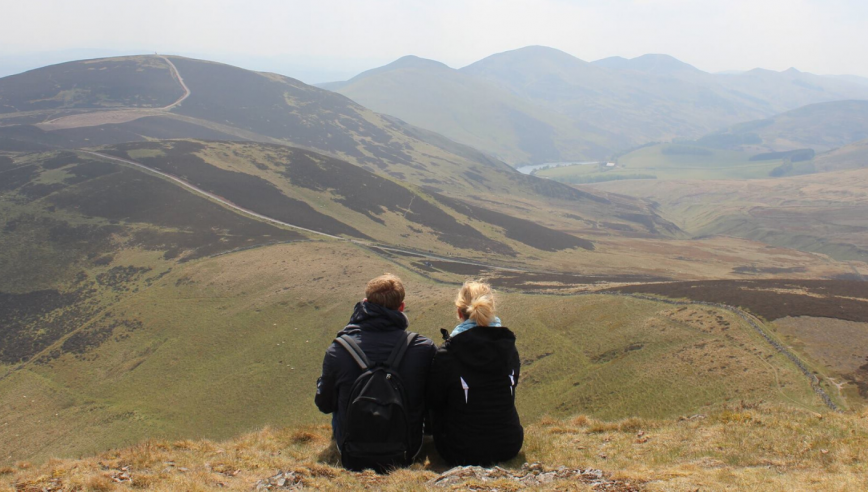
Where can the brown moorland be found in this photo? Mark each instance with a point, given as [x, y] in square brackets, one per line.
[772, 298]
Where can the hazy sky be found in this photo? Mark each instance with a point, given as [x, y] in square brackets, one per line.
[327, 38]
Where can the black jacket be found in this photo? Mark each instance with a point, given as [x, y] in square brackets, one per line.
[376, 329]
[471, 394]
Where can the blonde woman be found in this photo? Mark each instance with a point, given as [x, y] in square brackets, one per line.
[471, 388]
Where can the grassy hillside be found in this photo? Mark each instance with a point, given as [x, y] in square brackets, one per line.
[135, 309]
[789, 144]
[823, 213]
[852, 156]
[762, 447]
[219, 346]
[820, 127]
[229, 103]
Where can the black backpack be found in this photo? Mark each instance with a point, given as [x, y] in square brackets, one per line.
[376, 426]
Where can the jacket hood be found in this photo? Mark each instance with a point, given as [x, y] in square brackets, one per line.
[374, 317]
[484, 348]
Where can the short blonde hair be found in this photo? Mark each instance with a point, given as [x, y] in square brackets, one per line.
[476, 302]
[386, 290]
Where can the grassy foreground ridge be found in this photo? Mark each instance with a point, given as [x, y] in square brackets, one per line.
[744, 447]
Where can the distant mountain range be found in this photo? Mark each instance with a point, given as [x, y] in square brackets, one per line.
[538, 104]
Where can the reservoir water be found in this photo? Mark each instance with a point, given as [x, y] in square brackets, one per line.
[530, 169]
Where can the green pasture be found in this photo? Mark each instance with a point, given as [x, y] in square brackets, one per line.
[669, 161]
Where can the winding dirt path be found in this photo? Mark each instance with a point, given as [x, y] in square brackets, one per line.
[266, 218]
[117, 116]
[177, 75]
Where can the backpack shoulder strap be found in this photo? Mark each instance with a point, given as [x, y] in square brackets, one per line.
[400, 349]
[353, 348]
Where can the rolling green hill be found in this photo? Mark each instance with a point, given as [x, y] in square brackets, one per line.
[134, 308]
[219, 346]
[852, 156]
[820, 127]
[228, 103]
[789, 144]
[68, 216]
[823, 213]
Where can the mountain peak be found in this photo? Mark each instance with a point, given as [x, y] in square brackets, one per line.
[533, 53]
[651, 62]
[405, 62]
[413, 61]
[528, 56]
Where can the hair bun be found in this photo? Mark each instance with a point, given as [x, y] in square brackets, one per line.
[476, 301]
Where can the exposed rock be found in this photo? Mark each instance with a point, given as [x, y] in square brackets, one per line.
[531, 475]
[283, 480]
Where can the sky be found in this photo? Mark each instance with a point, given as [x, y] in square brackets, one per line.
[322, 40]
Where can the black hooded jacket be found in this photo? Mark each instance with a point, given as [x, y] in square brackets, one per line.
[377, 330]
[471, 394]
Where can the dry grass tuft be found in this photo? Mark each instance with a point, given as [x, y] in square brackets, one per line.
[304, 437]
[99, 483]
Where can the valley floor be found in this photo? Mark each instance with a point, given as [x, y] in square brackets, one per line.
[744, 447]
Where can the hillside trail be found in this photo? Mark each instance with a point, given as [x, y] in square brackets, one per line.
[117, 116]
[177, 75]
[248, 212]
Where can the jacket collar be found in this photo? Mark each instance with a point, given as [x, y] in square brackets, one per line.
[368, 316]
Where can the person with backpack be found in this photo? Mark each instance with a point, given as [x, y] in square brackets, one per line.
[471, 387]
[373, 382]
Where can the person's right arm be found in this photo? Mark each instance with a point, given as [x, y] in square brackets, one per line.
[326, 394]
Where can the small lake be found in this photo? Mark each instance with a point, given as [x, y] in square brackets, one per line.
[530, 169]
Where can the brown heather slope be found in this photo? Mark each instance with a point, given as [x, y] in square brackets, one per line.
[138, 82]
[835, 345]
[771, 298]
